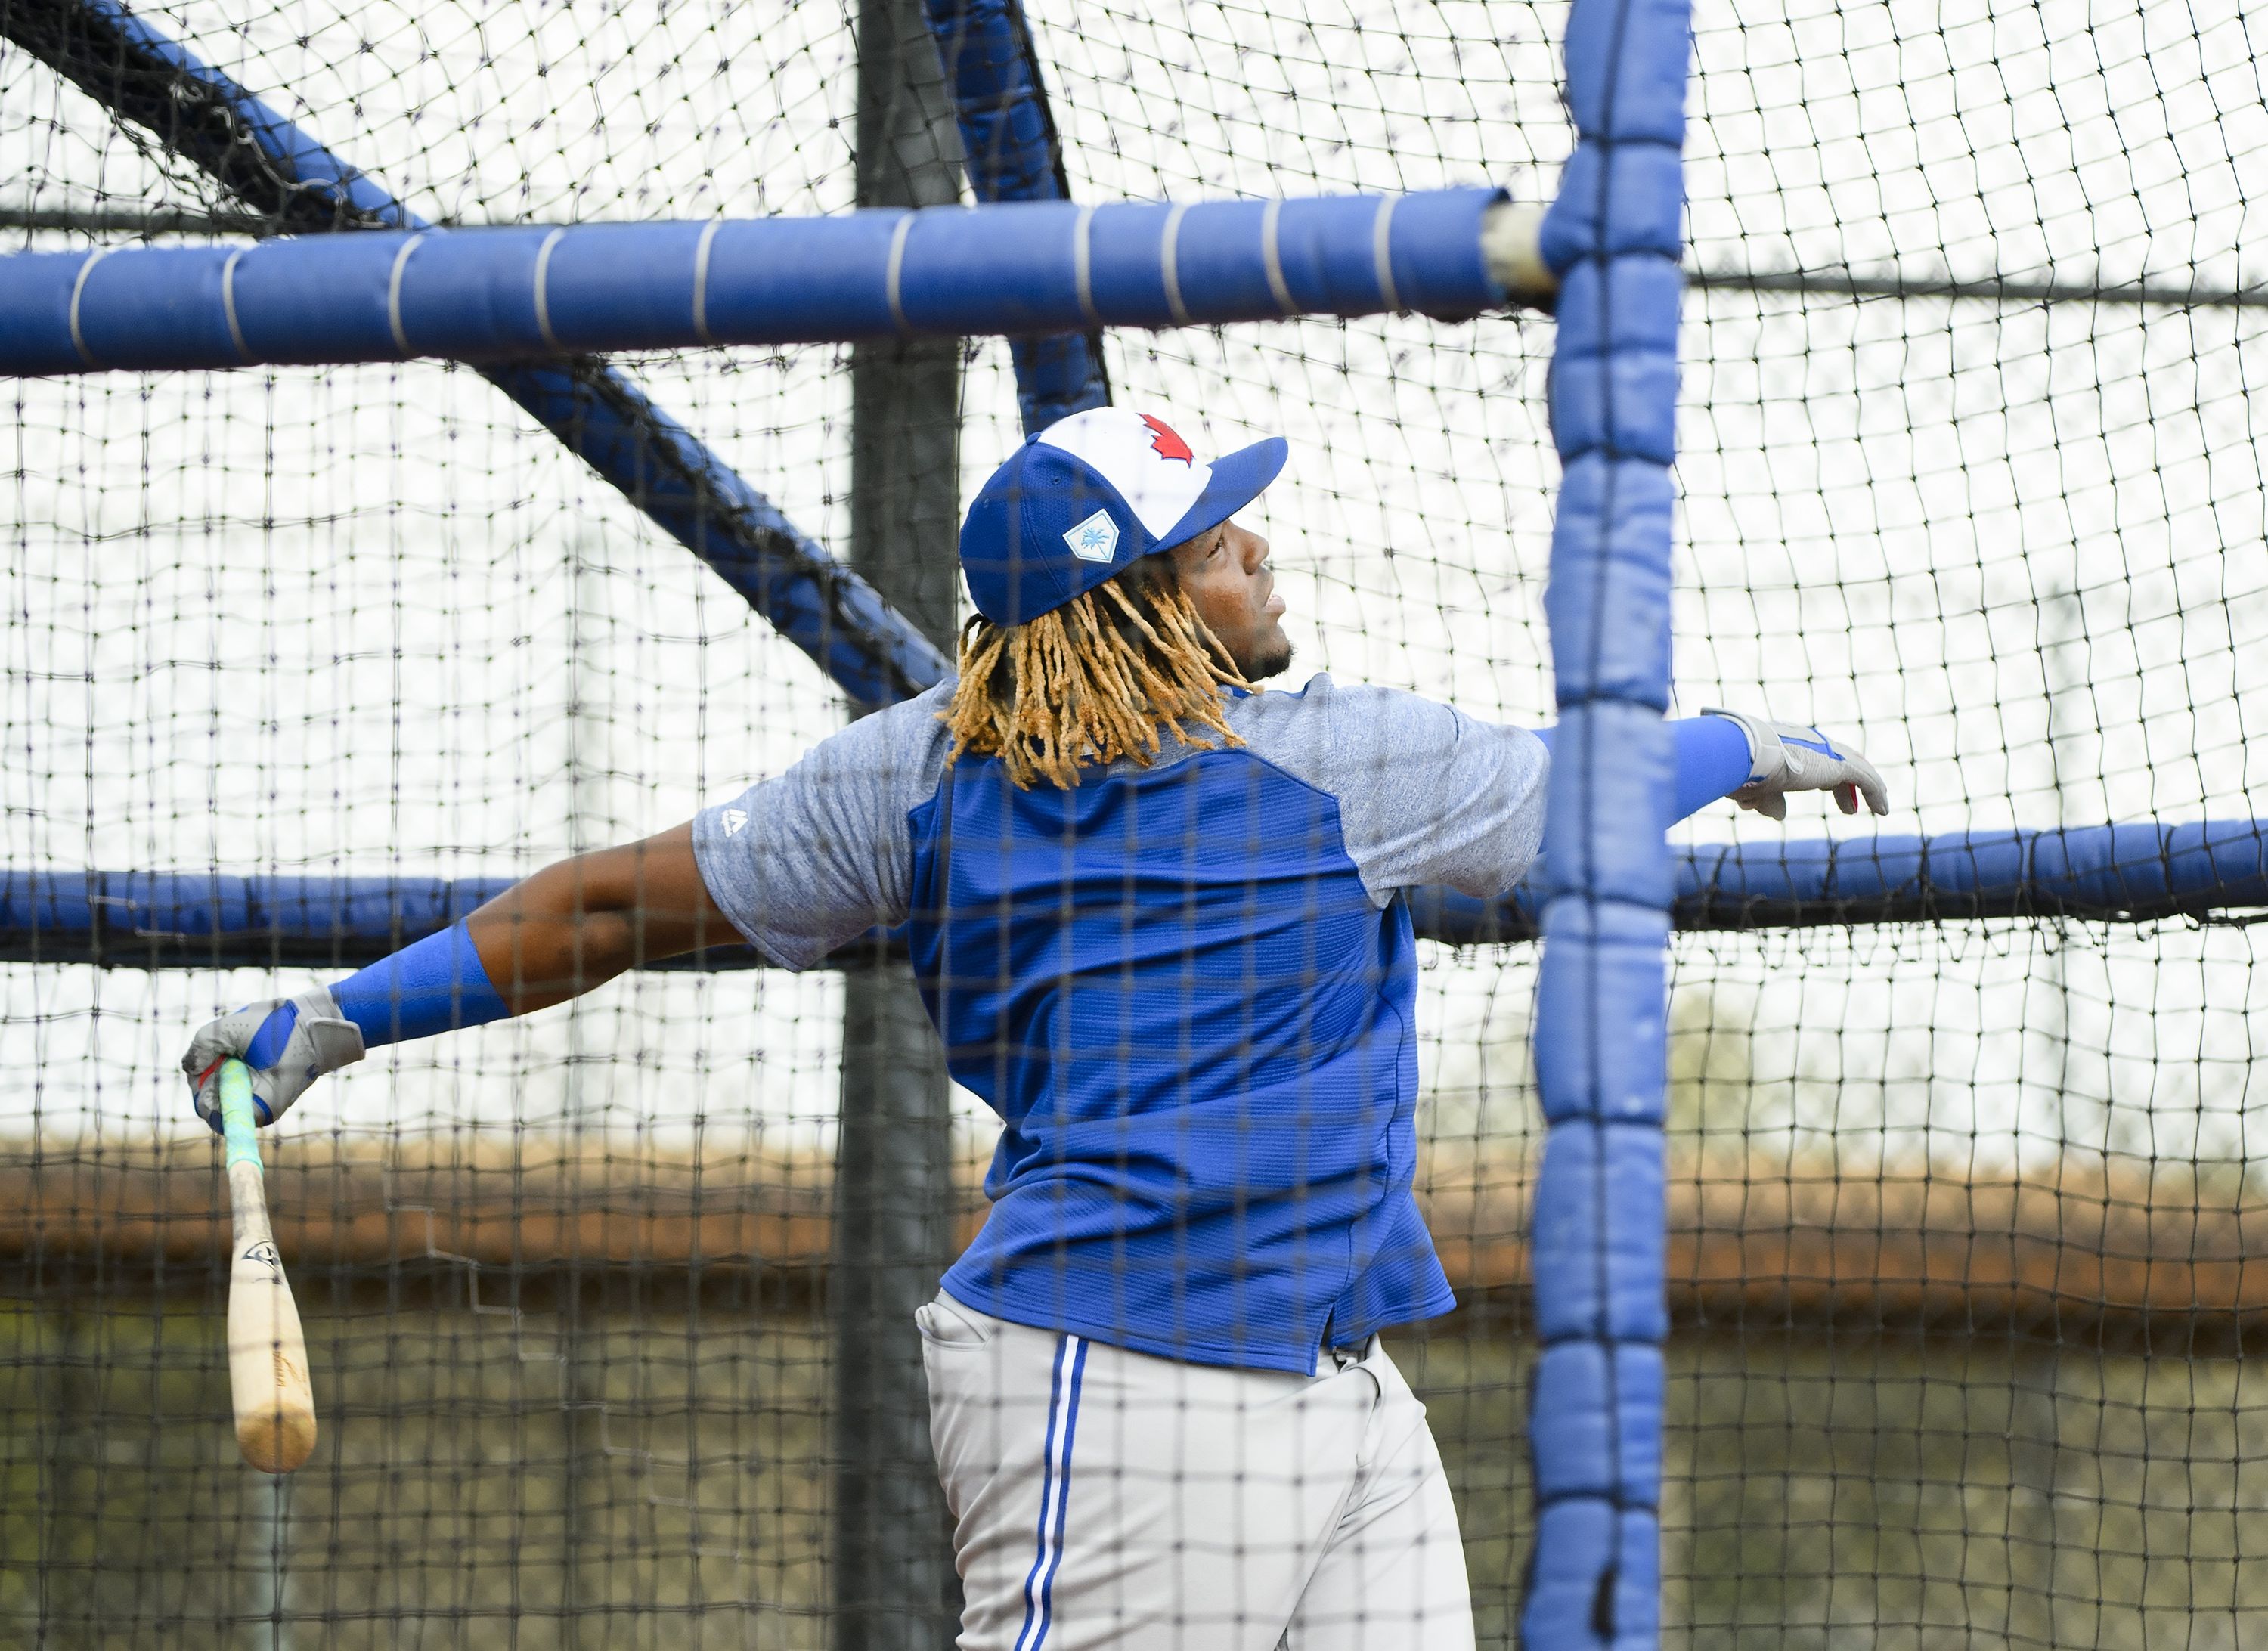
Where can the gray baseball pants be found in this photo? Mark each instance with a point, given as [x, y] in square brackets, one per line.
[1104, 1498]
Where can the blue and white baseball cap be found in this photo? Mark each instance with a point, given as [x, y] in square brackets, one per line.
[1089, 496]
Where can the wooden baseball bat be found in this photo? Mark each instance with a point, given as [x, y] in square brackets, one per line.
[267, 1351]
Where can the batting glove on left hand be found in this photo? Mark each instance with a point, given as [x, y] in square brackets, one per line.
[1794, 756]
[288, 1043]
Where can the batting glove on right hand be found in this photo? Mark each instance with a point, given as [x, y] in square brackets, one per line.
[1794, 756]
[288, 1043]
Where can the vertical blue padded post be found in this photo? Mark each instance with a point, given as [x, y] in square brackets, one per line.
[273, 166]
[1008, 135]
[1613, 236]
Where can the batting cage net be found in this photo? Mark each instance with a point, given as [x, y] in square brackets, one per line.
[605, 1307]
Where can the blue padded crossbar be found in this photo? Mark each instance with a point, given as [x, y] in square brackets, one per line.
[1595, 1421]
[473, 294]
[2109, 873]
[199, 919]
[1009, 137]
[873, 653]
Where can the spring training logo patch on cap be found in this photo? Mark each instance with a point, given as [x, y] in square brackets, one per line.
[1090, 496]
[1095, 539]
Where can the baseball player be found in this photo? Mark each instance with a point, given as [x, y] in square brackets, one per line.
[1154, 911]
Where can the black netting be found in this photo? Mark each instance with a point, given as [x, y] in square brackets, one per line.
[1971, 472]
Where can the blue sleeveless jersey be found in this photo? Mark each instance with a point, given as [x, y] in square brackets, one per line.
[1188, 991]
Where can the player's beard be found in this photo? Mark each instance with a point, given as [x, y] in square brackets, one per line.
[1270, 658]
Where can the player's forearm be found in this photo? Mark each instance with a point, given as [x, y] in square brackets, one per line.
[1711, 759]
[576, 925]
[570, 928]
[553, 936]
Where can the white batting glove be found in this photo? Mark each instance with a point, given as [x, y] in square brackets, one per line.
[1795, 756]
[288, 1043]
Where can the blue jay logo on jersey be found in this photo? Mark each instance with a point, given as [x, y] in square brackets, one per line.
[1095, 539]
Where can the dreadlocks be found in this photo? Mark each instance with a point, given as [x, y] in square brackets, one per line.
[1093, 680]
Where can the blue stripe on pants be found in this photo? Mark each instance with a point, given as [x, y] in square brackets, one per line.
[1054, 1491]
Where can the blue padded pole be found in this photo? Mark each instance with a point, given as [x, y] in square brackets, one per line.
[1594, 1422]
[1008, 135]
[940, 272]
[2107, 873]
[278, 169]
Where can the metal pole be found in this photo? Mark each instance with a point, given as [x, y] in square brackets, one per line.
[266, 1619]
[894, 1583]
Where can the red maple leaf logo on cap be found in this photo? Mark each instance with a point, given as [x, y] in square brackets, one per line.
[1165, 444]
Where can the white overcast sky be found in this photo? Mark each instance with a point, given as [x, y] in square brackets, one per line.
[371, 618]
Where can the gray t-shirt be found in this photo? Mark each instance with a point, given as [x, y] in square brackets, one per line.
[807, 862]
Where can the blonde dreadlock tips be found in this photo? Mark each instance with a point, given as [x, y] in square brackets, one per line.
[1089, 684]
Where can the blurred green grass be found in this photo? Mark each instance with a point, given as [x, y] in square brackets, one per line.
[650, 1479]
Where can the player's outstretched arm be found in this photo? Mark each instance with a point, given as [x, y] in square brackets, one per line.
[550, 937]
[1757, 762]
[580, 923]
